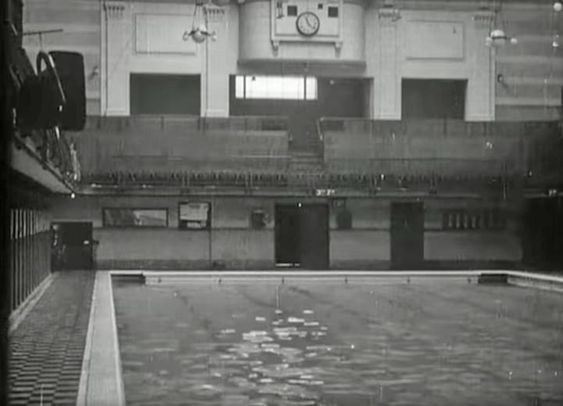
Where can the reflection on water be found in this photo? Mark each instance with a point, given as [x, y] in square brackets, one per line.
[336, 345]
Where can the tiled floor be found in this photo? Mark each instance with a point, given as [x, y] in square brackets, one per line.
[46, 349]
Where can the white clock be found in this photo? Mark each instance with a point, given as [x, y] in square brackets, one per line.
[308, 23]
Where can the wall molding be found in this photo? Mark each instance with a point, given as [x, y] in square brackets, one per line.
[114, 10]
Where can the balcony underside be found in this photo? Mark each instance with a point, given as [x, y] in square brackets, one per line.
[26, 161]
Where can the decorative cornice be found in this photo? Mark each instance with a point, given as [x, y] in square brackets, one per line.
[389, 14]
[114, 10]
[215, 13]
[483, 20]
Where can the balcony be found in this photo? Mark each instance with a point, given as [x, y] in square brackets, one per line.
[47, 157]
[252, 153]
[442, 148]
[165, 149]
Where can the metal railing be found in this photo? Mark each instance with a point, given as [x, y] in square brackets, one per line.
[442, 146]
[188, 123]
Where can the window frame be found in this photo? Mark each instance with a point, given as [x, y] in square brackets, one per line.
[209, 215]
[242, 94]
[106, 225]
[485, 219]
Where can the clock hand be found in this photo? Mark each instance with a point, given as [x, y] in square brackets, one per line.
[311, 24]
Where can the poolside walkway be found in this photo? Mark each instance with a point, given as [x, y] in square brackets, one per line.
[47, 347]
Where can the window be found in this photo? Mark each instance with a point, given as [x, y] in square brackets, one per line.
[292, 11]
[127, 217]
[461, 219]
[333, 12]
[276, 87]
[194, 216]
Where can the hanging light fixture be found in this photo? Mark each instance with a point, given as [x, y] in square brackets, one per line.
[497, 36]
[199, 31]
[557, 6]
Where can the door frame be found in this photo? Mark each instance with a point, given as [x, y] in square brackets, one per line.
[305, 205]
[92, 245]
[276, 207]
[397, 265]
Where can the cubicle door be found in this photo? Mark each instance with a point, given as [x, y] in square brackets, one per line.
[72, 247]
[407, 235]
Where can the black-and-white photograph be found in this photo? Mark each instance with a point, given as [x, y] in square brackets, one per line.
[282, 202]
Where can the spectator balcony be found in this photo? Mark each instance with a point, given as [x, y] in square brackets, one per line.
[366, 155]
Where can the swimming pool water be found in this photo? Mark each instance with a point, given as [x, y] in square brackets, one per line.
[327, 344]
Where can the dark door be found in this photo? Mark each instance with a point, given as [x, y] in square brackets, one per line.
[314, 236]
[288, 235]
[302, 235]
[72, 246]
[542, 233]
[407, 235]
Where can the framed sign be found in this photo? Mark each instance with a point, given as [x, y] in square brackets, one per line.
[194, 216]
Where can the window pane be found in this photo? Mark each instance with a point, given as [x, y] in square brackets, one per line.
[124, 217]
[311, 88]
[239, 87]
[194, 215]
[276, 87]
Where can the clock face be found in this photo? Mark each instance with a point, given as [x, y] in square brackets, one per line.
[308, 23]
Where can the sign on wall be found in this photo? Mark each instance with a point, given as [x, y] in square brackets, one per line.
[194, 215]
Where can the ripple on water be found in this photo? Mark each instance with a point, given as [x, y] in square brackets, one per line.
[206, 391]
[289, 392]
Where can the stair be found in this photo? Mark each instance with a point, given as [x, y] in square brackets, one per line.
[305, 162]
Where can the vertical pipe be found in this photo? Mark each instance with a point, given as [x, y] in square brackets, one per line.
[105, 76]
[12, 260]
[210, 247]
[34, 247]
[26, 254]
[31, 248]
[20, 256]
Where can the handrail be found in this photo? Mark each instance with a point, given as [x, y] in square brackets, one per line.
[244, 123]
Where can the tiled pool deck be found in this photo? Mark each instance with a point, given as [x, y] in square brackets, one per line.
[66, 351]
[47, 346]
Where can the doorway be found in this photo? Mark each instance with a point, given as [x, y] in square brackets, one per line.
[542, 233]
[407, 235]
[72, 247]
[301, 236]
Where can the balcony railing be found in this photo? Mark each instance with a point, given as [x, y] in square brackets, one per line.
[252, 152]
[165, 144]
[442, 147]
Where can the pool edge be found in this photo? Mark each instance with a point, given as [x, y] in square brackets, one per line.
[101, 381]
[515, 278]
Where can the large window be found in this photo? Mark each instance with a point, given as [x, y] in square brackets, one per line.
[126, 217]
[276, 87]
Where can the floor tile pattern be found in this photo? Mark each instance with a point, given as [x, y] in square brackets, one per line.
[46, 349]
